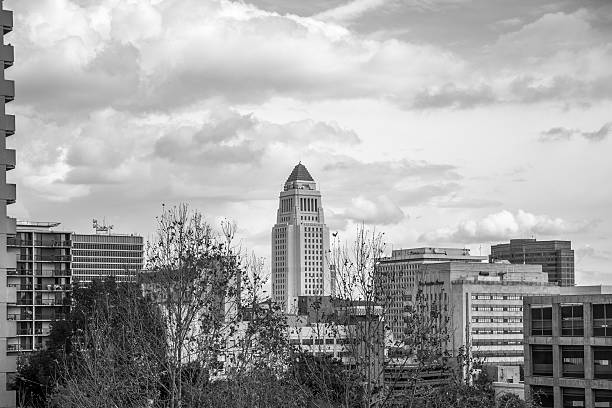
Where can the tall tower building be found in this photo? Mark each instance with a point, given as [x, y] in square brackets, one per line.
[7, 224]
[300, 243]
[556, 257]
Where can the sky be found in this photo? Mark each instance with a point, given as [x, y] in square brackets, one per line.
[436, 122]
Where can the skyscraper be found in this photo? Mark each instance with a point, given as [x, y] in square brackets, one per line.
[556, 257]
[300, 243]
[7, 224]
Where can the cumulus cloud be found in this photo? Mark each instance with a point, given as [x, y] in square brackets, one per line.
[557, 134]
[350, 10]
[505, 225]
[379, 210]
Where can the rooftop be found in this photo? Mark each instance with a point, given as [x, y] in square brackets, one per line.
[299, 173]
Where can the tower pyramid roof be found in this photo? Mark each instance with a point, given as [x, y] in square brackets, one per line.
[299, 173]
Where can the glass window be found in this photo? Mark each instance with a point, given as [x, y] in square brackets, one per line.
[603, 398]
[541, 320]
[573, 361]
[542, 359]
[602, 362]
[573, 397]
[572, 323]
[602, 320]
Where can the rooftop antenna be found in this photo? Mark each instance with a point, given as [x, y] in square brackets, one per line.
[102, 228]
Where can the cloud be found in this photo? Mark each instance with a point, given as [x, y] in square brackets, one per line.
[588, 251]
[503, 226]
[557, 134]
[380, 210]
[449, 96]
[349, 11]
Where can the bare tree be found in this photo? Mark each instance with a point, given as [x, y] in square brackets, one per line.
[194, 275]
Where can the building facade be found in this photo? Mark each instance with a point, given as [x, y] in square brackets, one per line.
[397, 278]
[99, 256]
[484, 306]
[556, 257]
[7, 224]
[568, 350]
[42, 280]
[300, 243]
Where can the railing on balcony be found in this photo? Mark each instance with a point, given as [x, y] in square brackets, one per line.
[7, 89]
[52, 258]
[25, 301]
[22, 287]
[52, 316]
[6, 18]
[9, 125]
[19, 316]
[52, 243]
[25, 257]
[13, 347]
[14, 241]
[24, 332]
[10, 158]
[19, 271]
[7, 54]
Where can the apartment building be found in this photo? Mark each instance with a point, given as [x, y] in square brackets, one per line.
[7, 224]
[42, 281]
[568, 350]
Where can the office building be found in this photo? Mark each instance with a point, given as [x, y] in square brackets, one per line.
[7, 224]
[556, 257]
[397, 278]
[300, 243]
[484, 306]
[568, 349]
[42, 280]
[98, 256]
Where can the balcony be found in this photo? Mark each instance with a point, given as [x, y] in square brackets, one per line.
[9, 125]
[52, 258]
[19, 316]
[7, 89]
[52, 243]
[20, 272]
[13, 347]
[50, 317]
[24, 332]
[7, 54]
[9, 159]
[8, 192]
[6, 18]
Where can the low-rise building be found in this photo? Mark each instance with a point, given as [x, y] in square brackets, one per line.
[568, 349]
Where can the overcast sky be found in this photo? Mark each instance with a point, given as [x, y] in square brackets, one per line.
[440, 122]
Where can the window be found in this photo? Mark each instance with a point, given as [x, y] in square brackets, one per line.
[602, 320]
[603, 398]
[573, 361]
[572, 323]
[541, 320]
[602, 362]
[543, 395]
[573, 397]
[542, 359]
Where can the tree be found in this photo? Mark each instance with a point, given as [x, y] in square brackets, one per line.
[112, 357]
